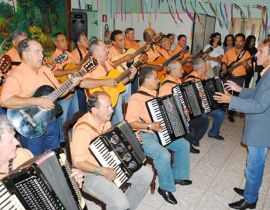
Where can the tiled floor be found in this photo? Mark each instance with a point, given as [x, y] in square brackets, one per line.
[214, 172]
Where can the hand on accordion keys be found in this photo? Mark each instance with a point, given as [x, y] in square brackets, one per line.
[156, 126]
[78, 176]
[108, 173]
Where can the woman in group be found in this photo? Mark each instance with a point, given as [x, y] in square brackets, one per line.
[228, 42]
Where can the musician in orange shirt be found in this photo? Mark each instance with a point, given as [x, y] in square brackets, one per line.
[98, 179]
[182, 42]
[165, 48]
[199, 73]
[82, 45]
[232, 57]
[129, 39]
[70, 103]
[17, 36]
[139, 119]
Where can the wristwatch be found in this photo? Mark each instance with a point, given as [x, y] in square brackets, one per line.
[97, 171]
[149, 126]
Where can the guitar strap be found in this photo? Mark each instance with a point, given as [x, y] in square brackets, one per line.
[168, 81]
[192, 77]
[145, 93]
[50, 80]
[80, 53]
[241, 54]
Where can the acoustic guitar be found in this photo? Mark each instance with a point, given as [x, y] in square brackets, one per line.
[49, 62]
[5, 64]
[163, 62]
[134, 53]
[114, 92]
[232, 66]
[32, 122]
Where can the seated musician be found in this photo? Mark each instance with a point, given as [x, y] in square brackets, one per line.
[199, 73]
[171, 37]
[13, 53]
[187, 57]
[98, 180]
[21, 84]
[70, 102]
[129, 39]
[82, 46]
[139, 119]
[165, 47]
[232, 57]
[199, 125]
[12, 156]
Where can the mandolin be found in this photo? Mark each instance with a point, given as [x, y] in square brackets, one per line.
[114, 92]
[32, 122]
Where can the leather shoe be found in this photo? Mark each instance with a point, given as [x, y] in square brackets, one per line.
[194, 150]
[168, 196]
[231, 118]
[242, 204]
[218, 137]
[239, 191]
[182, 182]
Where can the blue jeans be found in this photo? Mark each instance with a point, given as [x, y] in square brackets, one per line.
[118, 112]
[162, 158]
[3, 111]
[254, 172]
[70, 106]
[49, 141]
[218, 118]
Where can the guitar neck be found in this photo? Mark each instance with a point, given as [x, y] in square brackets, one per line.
[126, 73]
[230, 69]
[139, 51]
[165, 63]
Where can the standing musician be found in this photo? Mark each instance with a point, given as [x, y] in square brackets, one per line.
[139, 119]
[199, 125]
[182, 42]
[255, 103]
[70, 102]
[13, 53]
[233, 56]
[98, 179]
[81, 50]
[165, 48]
[20, 85]
[199, 73]
[147, 37]
[129, 39]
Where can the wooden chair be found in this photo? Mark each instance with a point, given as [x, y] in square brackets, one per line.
[149, 160]
[67, 126]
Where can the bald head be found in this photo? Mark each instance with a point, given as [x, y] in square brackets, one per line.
[148, 34]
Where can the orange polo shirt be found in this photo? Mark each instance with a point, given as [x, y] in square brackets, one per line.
[166, 89]
[166, 54]
[131, 44]
[13, 54]
[23, 81]
[113, 52]
[99, 72]
[22, 155]
[137, 110]
[198, 77]
[231, 56]
[152, 52]
[70, 59]
[84, 131]
[76, 55]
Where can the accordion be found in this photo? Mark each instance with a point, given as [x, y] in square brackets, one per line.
[168, 110]
[44, 182]
[208, 88]
[120, 150]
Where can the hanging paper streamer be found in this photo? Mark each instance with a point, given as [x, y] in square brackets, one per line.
[121, 10]
[111, 9]
[226, 13]
[97, 4]
[125, 10]
[194, 10]
[232, 15]
[203, 8]
[116, 9]
[223, 16]
[249, 12]
[190, 15]
[177, 13]
[214, 10]
[241, 11]
[156, 7]
[171, 12]
[141, 1]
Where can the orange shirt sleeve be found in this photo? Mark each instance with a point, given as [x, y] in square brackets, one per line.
[132, 115]
[11, 88]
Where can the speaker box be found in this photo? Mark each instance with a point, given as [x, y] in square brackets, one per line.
[78, 24]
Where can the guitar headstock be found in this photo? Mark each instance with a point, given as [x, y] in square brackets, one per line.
[61, 58]
[5, 63]
[198, 54]
[185, 49]
[142, 60]
[156, 38]
[208, 50]
[89, 64]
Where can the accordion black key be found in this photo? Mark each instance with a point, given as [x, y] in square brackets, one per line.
[119, 149]
[208, 88]
[190, 97]
[44, 183]
[168, 110]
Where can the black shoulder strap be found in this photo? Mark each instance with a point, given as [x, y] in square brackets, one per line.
[241, 54]
[144, 93]
[80, 53]
[168, 81]
[192, 77]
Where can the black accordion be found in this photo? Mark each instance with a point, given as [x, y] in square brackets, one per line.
[168, 110]
[119, 149]
[42, 183]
